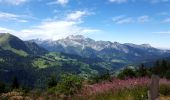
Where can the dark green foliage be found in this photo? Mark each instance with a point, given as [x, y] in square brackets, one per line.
[164, 90]
[165, 64]
[162, 68]
[2, 87]
[69, 84]
[106, 76]
[167, 74]
[156, 68]
[127, 73]
[15, 83]
[52, 82]
[99, 78]
[142, 70]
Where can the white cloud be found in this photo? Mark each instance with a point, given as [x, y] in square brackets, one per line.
[143, 19]
[158, 1]
[163, 13]
[77, 15]
[4, 16]
[125, 21]
[53, 29]
[86, 31]
[13, 2]
[167, 20]
[117, 18]
[61, 2]
[6, 30]
[149, 1]
[118, 1]
[163, 32]
[122, 19]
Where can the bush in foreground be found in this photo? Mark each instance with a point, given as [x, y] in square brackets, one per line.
[68, 85]
[2, 87]
[127, 73]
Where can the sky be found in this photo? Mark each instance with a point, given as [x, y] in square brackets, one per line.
[124, 21]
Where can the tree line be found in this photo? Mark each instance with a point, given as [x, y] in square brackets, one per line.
[160, 68]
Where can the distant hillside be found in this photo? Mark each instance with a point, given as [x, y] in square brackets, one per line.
[33, 65]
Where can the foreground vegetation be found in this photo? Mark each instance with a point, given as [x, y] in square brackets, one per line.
[115, 89]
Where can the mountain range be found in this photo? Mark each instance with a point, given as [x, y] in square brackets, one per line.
[105, 50]
[34, 61]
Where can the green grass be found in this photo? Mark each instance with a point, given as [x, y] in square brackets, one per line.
[42, 63]
[19, 52]
[4, 43]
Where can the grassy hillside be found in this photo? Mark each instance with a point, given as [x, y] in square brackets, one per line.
[16, 45]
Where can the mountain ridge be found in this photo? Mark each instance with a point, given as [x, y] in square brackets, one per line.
[107, 50]
[81, 38]
[18, 46]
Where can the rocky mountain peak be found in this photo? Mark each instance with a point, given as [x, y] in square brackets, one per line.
[76, 37]
[146, 45]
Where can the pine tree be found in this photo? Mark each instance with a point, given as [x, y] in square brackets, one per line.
[52, 82]
[157, 67]
[142, 71]
[2, 87]
[15, 83]
[164, 66]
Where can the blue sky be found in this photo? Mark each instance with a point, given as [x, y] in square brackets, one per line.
[124, 21]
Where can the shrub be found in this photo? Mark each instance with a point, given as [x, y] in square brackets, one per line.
[52, 81]
[167, 75]
[142, 71]
[99, 78]
[127, 73]
[2, 87]
[15, 83]
[69, 84]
